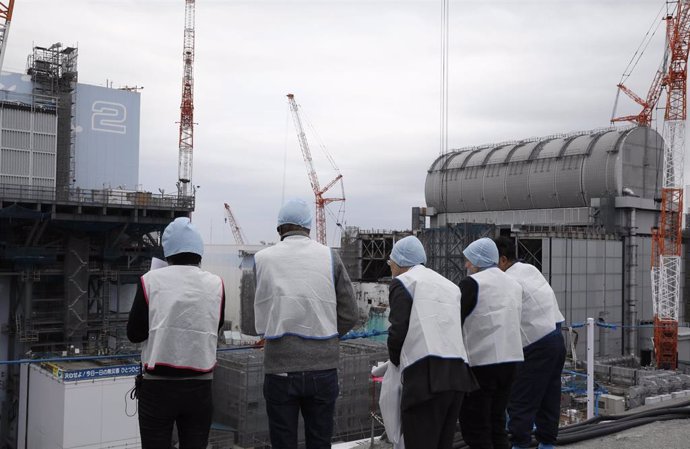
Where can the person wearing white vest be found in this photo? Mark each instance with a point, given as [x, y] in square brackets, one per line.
[304, 301]
[491, 305]
[177, 313]
[536, 396]
[425, 340]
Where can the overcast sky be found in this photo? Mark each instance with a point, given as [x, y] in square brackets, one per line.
[367, 74]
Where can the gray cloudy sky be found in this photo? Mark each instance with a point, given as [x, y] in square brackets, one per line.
[367, 75]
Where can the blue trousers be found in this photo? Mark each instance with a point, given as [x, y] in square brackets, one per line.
[536, 393]
[311, 392]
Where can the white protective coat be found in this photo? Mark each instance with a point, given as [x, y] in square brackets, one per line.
[184, 314]
[295, 290]
[435, 320]
[492, 330]
[540, 311]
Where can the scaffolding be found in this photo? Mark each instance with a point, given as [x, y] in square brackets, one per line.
[53, 71]
[444, 247]
[365, 252]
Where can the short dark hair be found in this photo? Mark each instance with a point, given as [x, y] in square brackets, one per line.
[184, 259]
[289, 227]
[506, 247]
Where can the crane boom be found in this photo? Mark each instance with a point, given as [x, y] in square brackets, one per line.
[236, 230]
[320, 201]
[6, 9]
[644, 118]
[186, 140]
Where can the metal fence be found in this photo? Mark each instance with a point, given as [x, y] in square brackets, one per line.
[94, 197]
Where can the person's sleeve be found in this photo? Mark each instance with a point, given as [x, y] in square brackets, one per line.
[468, 299]
[400, 303]
[138, 322]
[222, 307]
[345, 295]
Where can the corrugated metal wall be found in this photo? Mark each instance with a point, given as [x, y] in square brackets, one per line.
[588, 278]
[27, 147]
[553, 172]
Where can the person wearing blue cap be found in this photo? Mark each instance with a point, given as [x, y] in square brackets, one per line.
[304, 301]
[177, 313]
[425, 341]
[491, 305]
[535, 400]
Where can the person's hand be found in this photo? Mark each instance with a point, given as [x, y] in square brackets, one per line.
[379, 369]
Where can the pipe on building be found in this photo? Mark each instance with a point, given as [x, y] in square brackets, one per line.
[631, 275]
[28, 298]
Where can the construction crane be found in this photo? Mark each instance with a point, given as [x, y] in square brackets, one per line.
[644, 118]
[667, 238]
[236, 230]
[6, 9]
[667, 264]
[320, 201]
[186, 143]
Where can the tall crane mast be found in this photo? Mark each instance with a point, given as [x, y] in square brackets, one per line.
[6, 9]
[666, 263]
[186, 143]
[236, 230]
[320, 201]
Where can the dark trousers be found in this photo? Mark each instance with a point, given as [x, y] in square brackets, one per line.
[482, 417]
[431, 424]
[165, 402]
[536, 396]
[312, 392]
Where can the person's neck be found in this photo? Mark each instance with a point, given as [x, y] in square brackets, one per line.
[291, 233]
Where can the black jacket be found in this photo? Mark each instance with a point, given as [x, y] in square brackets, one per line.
[431, 375]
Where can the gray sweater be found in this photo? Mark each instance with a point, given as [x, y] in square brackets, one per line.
[291, 353]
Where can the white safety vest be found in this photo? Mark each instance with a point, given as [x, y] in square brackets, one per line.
[184, 314]
[492, 330]
[435, 320]
[539, 306]
[295, 290]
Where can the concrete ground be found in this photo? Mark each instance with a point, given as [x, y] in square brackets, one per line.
[660, 435]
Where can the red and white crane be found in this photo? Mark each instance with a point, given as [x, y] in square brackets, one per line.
[236, 230]
[6, 9]
[667, 238]
[320, 200]
[186, 142]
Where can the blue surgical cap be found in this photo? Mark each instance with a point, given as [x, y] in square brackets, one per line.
[482, 253]
[408, 252]
[295, 212]
[181, 236]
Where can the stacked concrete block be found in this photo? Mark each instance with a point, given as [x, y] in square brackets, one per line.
[239, 403]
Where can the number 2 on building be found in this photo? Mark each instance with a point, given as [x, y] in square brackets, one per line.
[108, 117]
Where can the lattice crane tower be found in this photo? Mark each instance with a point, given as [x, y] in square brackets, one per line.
[186, 143]
[666, 263]
[667, 238]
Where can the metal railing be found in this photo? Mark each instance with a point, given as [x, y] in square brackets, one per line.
[94, 197]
